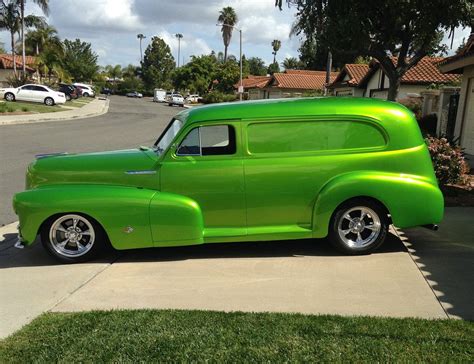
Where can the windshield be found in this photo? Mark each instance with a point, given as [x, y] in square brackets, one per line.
[168, 135]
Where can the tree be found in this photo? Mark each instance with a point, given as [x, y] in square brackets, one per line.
[257, 66]
[114, 72]
[291, 63]
[276, 45]
[44, 5]
[10, 20]
[37, 40]
[228, 19]
[273, 68]
[398, 34]
[197, 75]
[80, 60]
[158, 63]
[228, 74]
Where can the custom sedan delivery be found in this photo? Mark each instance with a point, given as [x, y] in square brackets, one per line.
[345, 168]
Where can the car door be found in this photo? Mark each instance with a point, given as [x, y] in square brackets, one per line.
[206, 165]
[24, 93]
[38, 93]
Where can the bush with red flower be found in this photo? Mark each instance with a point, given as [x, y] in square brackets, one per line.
[448, 161]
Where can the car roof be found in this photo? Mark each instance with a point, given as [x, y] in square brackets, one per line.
[398, 121]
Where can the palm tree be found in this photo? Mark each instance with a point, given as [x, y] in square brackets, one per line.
[44, 5]
[291, 63]
[10, 20]
[114, 72]
[276, 44]
[44, 35]
[228, 19]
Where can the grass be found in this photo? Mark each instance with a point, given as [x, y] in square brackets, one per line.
[80, 102]
[20, 106]
[198, 336]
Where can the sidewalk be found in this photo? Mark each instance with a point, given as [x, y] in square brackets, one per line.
[93, 108]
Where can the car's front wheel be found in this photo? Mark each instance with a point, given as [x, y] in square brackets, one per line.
[85, 94]
[49, 101]
[358, 227]
[72, 238]
[9, 96]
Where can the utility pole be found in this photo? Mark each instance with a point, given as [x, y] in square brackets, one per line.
[328, 73]
[141, 37]
[179, 36]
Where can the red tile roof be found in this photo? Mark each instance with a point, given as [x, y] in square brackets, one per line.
[302, 79]
[356, 73]
[6, 62]
[254, 81]
[425, 72]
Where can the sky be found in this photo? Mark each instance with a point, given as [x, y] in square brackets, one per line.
[112, 27]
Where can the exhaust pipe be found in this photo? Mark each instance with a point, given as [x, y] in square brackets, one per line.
[433, 227]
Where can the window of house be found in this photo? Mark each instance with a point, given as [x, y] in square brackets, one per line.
[208, 140]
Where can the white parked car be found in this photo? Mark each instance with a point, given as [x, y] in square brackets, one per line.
[87, 90]
[175, 99]
[193, 99]
[34, 93]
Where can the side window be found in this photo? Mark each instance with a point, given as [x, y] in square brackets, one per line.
[28, 87]
[39, 88]
[209, 140]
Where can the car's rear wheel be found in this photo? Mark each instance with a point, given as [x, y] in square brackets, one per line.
[358, 227]
[72, 238]
[85, 94]
[68, 97]
[49, 101]
[9, 96]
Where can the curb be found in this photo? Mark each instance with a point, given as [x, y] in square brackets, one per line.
[105, 109]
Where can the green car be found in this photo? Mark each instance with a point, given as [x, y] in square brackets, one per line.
[342, 168]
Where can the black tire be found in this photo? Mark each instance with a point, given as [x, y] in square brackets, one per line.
[68, 98]
[356, 242]
[85, 94]
[49, 236]
[170, 104]
[9, 96]
[49, 101]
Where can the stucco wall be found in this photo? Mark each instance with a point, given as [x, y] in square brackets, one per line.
[464, 118]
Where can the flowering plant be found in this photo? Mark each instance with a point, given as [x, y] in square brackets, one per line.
[448, 161]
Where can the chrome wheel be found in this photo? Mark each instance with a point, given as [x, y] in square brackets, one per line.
[72, 236]
[49, 101]
[10, 97]
[359, 227]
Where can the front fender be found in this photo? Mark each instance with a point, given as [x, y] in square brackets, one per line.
[115, 207]
[411, 200]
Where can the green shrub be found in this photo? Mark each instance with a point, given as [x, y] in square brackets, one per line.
[10, 108]
[24, 109]
[428, 124]
[448, 161]
[214, 97]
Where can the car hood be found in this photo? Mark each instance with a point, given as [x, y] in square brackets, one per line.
[131, 167]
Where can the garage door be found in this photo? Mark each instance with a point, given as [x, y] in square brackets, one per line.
[468, 124]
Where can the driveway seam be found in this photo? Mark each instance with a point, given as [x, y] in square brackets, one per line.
[83, 284]
[409, 249]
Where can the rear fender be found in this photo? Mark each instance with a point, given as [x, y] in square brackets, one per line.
[410, 200]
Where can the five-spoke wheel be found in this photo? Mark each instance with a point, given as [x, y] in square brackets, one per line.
[358, 227]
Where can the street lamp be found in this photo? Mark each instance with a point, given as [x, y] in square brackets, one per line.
[141, 37]
[241, 87]
[179, 36]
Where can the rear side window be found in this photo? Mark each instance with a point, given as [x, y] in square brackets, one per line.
[209, 140]
[306, 136]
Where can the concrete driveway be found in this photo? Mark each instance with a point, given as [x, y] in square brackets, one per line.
[291, 276]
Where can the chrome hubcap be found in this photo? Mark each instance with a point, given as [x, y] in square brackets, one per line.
[72, 235]
[359, 227]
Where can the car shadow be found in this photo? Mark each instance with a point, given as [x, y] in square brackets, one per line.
[35, 255]
[446, 258]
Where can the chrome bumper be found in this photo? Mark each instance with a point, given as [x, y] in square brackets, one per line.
[19, 244]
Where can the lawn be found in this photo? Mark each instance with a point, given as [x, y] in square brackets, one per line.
[80, 102]
[198, 336]
[20, 106]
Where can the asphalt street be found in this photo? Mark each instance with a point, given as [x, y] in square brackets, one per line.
[128, 124]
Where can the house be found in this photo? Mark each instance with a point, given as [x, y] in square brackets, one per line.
[414, 81]
[6, 67]
[349, 79]
[463, 63]
[352, 81]
[291, 83]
